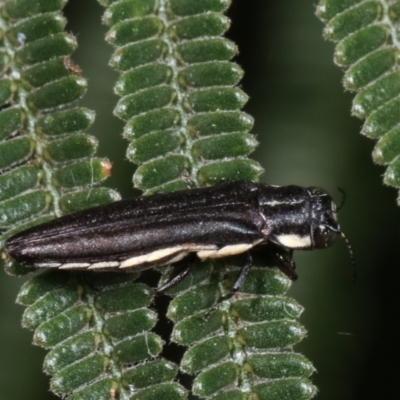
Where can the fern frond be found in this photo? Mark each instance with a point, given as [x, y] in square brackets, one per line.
[177, 84]
[93, 326]
[44, 155]
[94, 331]
[186, 129]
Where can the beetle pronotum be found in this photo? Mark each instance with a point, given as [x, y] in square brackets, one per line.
[223, 220]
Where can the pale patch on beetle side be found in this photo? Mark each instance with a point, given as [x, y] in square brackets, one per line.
[225, 251]
[177, 253]
[198, 247]
[294, 241]
[177, 258]
[48, 265]
[334, 210]
[74, 265]
[104, 264]
[151, 257]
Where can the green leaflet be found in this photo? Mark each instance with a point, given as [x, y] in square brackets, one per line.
[366, 33]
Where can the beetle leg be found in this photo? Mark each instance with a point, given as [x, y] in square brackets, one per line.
[178, 278]
[285, 263]
[244, 271]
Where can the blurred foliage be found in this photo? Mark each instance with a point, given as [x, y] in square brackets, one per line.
[307, 137]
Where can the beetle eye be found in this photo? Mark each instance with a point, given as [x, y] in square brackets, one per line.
[324, 237]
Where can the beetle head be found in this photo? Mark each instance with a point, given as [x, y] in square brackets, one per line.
[324, 225]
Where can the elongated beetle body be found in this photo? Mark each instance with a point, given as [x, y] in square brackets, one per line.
[227, 219]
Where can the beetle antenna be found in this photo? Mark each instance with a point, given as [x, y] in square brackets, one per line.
[344, 195]
[350, 249]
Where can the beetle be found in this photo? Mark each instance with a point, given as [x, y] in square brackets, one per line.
[229, 218]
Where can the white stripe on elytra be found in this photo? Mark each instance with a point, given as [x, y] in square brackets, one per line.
[273, 203]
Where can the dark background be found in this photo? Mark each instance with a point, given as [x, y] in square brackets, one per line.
[307, 137]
